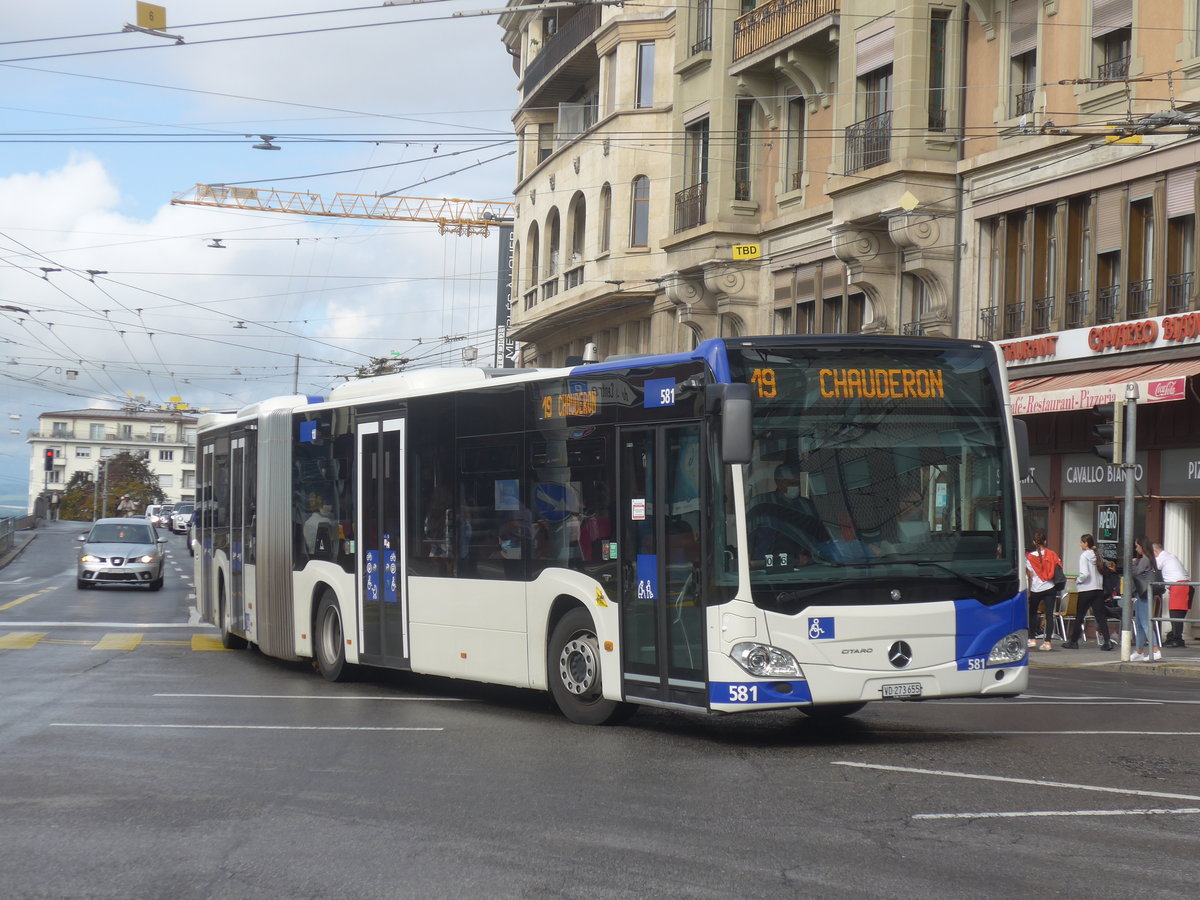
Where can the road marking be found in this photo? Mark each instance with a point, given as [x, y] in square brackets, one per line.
[316, 697]
[118, 641]
[13, 603]
[1071, 702]
[245, 727]
[1033, 781]
[207, 642]
[1076, 812]
[1119, 700]
[20, 640]
[133, 626]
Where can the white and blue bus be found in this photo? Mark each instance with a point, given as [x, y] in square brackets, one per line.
[760, 523]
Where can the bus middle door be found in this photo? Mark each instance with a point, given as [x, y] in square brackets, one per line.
[660, 514]
[383, 602]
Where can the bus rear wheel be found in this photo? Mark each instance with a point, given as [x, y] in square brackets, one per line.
[832, 710]
[229, 640]
[573, 664]
[329, 640]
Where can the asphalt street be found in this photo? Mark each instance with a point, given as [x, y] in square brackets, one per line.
[162, 766]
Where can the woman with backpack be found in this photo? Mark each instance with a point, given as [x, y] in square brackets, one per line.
[1090, 598]
[1041, 563]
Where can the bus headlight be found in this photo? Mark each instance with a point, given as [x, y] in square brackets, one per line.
[765, 661]
[1009, 649]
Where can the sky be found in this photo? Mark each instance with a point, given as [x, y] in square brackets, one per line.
[101, 128]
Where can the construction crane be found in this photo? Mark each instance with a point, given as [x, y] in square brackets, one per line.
[459, 217]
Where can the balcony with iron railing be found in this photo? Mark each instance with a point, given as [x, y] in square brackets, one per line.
[1077, 308]
[776, 19]
[1043, 315]
[690, 206]
[1014, 319]
[869, 143]
[1179, 292]
[1141, 298]
[1108, 304]
[1023, 101]
[987, 323]
[571, 35]
[1113, 70]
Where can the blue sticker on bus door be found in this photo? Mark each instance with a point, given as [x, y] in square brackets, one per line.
[371, 576]
[390, 567]
[647, 576]
[659, 392]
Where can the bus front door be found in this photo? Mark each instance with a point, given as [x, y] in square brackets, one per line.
[662, 618]
[383, 603]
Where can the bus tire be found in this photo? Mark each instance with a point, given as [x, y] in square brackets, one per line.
[229, 640]
[573, 667]
[329, 640]
[832, 710]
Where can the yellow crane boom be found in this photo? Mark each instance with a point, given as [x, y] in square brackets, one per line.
[461, 217]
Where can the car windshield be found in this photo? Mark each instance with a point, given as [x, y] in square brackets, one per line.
[120, 534]
[183, 509]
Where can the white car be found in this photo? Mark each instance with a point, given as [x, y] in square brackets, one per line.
[181, 518]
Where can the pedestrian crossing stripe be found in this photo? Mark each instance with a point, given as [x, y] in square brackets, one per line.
[113, 640]
[117, 641]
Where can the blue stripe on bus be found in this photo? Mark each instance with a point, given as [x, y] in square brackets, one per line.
[977, 628]
[711, 351]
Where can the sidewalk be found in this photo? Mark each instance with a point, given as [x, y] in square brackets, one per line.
[21, 540]
[1175, 661]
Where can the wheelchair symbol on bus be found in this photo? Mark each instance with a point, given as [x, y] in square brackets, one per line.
[820, 628]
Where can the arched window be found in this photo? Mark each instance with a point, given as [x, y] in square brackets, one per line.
[578, 228]
[533, 250]
[605, 218]
[553, 245]
[639, 213]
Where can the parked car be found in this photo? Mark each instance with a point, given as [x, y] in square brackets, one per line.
[181, 517]
[121, 551]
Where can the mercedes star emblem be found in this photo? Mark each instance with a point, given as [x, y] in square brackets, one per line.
[900, 654]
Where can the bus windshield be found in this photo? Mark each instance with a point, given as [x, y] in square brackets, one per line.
[878, 475]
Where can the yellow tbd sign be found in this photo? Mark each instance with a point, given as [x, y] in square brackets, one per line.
[746, 251]
[151, 16]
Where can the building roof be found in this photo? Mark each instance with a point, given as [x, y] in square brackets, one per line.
[132, 415]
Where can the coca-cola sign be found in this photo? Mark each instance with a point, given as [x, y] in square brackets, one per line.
[1166, 389]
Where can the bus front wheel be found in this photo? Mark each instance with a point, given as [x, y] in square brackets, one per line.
[573, 661]
[330, 640]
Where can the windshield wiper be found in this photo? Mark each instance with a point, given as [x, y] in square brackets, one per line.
[969, 579]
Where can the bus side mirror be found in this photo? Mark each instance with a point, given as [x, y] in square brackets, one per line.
[1021, 433]
[731, 402]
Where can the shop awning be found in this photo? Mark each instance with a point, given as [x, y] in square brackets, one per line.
[1157, 383]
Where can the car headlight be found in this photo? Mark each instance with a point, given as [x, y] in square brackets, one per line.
[765, 661]
[87, 557]
[146, 559]
[1009, 649]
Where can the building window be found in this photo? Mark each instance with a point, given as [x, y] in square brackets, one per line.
[605, 218]
[189, 457]
[158, 433]
[552, 249]
[1024, 83]
[189, 481]
[1112, 54]
[166, 455]
[795, 144]
[702, 27]
[1141, 258]
[939, 26]
[742, 149]
[1022, 51]
[610, 83]
[189, 435]
[1016, 273]
[545, 141]
[166, 481]
[1181, 235]
[83, 452]
[645, 74]
[869, 141]
[691, 202]
[95, 432]
[639, 213]
[806, 317]
[1045, 267]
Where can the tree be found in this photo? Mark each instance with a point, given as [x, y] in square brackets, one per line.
[84, 499]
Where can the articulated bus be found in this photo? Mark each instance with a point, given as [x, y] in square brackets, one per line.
[760, 523]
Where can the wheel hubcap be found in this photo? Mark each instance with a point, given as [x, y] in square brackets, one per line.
[577, 666]
[331, 635]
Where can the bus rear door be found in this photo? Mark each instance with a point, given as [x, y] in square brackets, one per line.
[662, 618]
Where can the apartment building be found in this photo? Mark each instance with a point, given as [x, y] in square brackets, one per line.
[1021, 171]
[82, 439]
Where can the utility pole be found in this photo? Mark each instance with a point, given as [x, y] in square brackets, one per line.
[1129, 467]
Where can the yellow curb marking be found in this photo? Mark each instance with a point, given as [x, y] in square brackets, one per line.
[20, 640]
[117, 641]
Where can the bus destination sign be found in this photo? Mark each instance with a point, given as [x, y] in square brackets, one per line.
[571, 403]
[862, 384]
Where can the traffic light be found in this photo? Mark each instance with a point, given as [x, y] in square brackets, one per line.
[48, 460]
[1108, 431]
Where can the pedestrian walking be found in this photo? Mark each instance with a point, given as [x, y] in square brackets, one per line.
[1041, 563]
[1179, 595]
[1089, 585]
[1146, 645]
